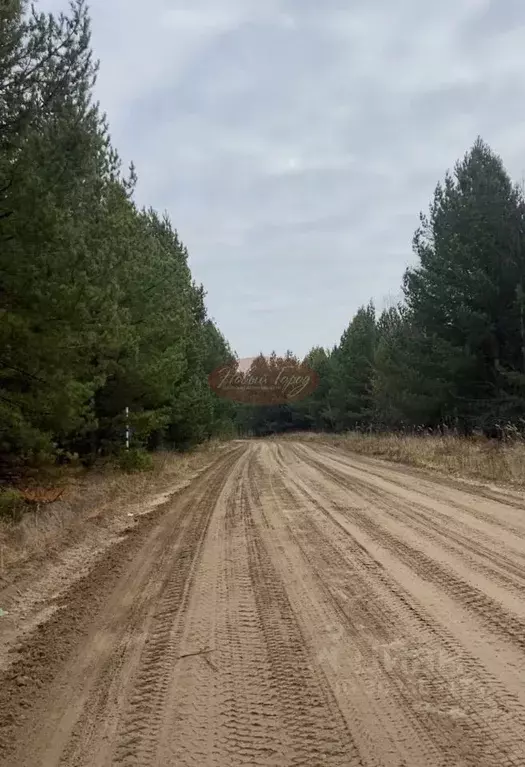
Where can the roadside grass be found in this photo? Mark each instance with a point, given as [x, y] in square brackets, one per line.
[475, 458]
[89, 498]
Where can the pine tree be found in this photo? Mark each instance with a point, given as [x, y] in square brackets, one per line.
[408, 387]
[464, 296]
[54, 159]
[98, 307]
[316, 410]
[352, 374]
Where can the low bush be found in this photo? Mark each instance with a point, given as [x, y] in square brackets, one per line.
[135, 459]
[12, 504]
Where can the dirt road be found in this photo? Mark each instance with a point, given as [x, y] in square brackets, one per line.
[294, 605]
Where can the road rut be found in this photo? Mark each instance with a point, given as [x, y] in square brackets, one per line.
[295, 605]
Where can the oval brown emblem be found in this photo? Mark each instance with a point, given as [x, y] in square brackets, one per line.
[264, 380]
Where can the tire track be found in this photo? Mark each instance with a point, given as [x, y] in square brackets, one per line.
[449, 491]
[306, 702]
[290, 608]
[139, 731]
[250, 725]
[508, 625]
[481, 705]
[192, 710]
[477, 550]
[346, 649]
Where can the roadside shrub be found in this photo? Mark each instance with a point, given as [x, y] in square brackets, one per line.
[11, 504]
[135, 459]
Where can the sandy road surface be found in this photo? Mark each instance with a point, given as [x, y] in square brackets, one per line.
[293, 606]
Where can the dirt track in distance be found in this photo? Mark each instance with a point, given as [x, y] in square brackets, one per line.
[295, 605]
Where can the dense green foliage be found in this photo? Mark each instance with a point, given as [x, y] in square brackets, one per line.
[452, 354]
[98, 308]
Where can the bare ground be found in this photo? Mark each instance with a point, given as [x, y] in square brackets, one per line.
[294, 605]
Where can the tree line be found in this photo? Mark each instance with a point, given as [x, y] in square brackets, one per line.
[98, 307]
[451, 354]
[99, 310]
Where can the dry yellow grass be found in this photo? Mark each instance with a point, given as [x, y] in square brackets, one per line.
[89, 497]
[475, 458]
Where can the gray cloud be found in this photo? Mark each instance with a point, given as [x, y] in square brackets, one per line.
[294, 142]
[496, 17]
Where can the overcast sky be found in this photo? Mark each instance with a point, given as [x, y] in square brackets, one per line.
[294, 142]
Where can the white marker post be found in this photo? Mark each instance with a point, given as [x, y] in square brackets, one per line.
[127, 428]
